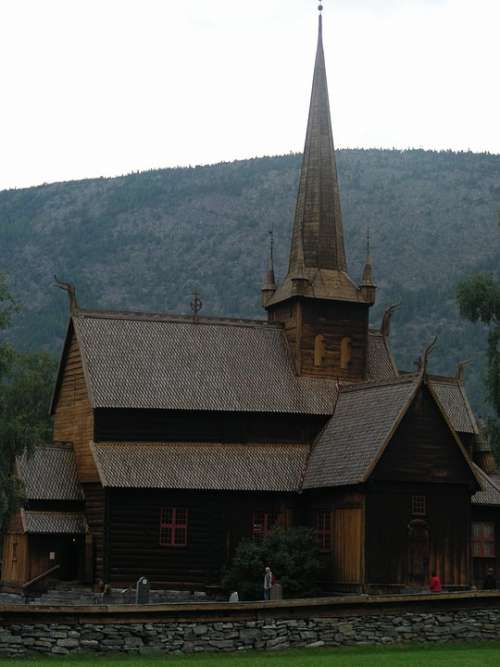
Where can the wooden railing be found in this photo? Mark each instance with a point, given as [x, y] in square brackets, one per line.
[39, 578]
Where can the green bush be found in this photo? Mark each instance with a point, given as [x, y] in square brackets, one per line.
[292, 555]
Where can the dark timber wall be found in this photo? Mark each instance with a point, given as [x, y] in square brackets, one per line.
[216, 523]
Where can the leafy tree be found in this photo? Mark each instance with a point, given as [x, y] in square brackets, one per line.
[479, 301]
[293, 556]
[25, 386]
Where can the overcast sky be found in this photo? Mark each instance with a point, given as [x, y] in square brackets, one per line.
[105, 87]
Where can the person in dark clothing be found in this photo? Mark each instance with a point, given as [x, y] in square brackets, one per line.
[490, 583]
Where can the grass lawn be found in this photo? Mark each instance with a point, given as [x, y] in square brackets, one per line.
[480, 655]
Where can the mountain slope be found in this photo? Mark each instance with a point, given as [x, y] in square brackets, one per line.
[146, 240]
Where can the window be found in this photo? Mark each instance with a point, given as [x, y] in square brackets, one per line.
[173, 526]
[264, 522]
[324, 530]
[345, 353]
[319, 350]
[418, 505]
[14, 552]
[483, 539]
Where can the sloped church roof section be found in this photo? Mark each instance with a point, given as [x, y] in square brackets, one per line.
[169, 362]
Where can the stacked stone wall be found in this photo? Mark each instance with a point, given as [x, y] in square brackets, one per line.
[181, 637]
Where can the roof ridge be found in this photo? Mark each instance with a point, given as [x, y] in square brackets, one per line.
[406, 379]
[175, 318]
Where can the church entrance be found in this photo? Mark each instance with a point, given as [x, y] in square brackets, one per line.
[418, 553]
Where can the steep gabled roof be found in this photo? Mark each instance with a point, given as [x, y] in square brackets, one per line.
[365, 417]
[202, 466]
[170, 362]
[158, 361]
[50, 473]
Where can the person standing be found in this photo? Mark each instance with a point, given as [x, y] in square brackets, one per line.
[268, 583]
[435, 583]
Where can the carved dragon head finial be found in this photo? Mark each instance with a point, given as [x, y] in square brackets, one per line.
[424, 358]
[385, 327]
[71, 290]
[461, 369]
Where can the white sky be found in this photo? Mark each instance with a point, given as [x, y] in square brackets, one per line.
[105, 87]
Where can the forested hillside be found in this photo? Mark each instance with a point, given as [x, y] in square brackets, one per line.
[144, 241]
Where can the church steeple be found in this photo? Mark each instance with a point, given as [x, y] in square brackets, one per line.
[317, 263]
[323, 312]
[317, 231]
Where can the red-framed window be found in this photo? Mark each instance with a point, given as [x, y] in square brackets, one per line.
[324, 530]
[173, 526]
[264, 522]
[483, 539]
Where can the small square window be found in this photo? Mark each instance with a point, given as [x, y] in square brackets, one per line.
[418, 505]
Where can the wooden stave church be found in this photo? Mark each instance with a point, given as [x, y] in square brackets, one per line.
[175, 437]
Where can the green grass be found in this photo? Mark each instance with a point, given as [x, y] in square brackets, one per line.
[480, 655]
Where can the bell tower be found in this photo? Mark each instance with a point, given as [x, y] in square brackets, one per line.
[325, 314]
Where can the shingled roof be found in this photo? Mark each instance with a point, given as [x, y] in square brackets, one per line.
[141, 360]
[210, 466]
[490, 489]
[49, 473]
[380, 364]
[453, 400]
[356, 435]
[53, 523]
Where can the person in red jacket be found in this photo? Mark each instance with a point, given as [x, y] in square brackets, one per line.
[435, 583]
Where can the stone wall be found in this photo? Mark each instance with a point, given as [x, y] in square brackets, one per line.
[19, 638]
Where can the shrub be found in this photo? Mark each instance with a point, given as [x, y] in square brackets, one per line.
[293, 556]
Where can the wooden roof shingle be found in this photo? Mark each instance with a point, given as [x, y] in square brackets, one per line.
[354, 438]
[209, 467]
[49, 473]
[53, 523]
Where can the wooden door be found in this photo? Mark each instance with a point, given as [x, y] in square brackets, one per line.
[347, 546]
[418, 553]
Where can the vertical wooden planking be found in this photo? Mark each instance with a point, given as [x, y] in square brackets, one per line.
[347, 546]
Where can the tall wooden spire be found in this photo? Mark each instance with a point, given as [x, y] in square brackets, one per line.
[318, 238]
[317, 264]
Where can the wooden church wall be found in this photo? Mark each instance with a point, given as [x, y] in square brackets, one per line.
[190, 426]
[73, 418]
[306, 319]
[334, 321]
[480, 565]
[423, 448]
[95, 513]
[403, 546]
[343, 563]
[216, 523]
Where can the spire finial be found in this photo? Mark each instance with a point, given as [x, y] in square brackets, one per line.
[196, 305]
[271, 251]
